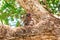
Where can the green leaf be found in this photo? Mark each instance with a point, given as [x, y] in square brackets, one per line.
[6, 21]
[17, 24]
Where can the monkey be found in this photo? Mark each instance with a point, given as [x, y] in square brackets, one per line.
[27, 19]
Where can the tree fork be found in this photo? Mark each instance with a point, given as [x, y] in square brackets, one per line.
[45, 27]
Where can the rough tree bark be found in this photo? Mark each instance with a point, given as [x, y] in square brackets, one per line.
[44, 25]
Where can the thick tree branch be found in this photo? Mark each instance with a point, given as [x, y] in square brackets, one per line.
[45, 26]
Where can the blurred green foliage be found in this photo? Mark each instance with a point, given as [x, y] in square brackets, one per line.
[10, 8]
[53, 5]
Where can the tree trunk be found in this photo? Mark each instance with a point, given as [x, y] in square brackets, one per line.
[42, 26]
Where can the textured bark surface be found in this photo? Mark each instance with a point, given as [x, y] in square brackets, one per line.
[43, 25]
